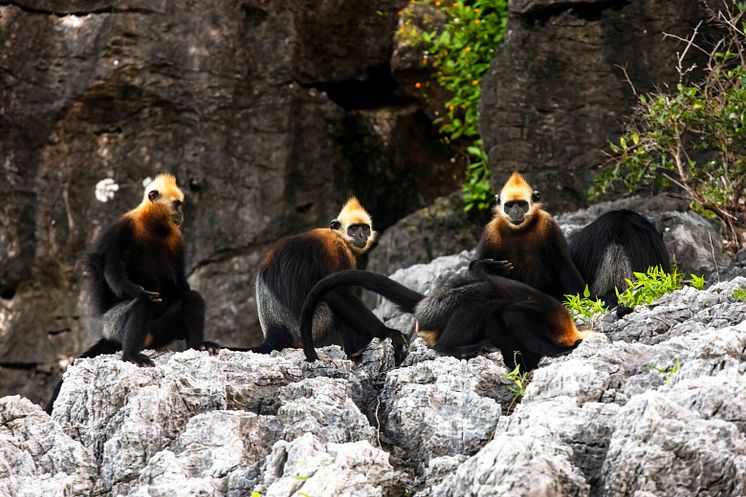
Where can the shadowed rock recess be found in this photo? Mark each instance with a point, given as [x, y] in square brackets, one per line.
[653, 404]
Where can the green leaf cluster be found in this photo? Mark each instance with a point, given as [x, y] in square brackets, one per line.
[518, 387]
[653, 284]
[692, 138]
[670, 372]
[739, 294]
[583, 309]
[460, 54]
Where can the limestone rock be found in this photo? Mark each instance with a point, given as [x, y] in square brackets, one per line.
[556, 93]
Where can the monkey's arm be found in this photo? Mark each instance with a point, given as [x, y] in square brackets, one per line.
[117, 278]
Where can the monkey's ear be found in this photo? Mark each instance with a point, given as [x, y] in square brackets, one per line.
[497, 199]
[154, 195]
[536, 196]
[335, 224]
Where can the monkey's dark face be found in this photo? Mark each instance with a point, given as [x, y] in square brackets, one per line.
[516, 210]
[359, 233]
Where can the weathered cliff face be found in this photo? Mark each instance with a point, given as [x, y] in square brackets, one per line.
[652, 404]
[557, 93]
[269, 113]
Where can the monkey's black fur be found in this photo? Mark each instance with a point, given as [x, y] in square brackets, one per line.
[481, 312]
[614, 246]
[145, 276]
[291, 269]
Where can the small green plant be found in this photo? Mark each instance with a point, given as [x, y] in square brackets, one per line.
[518, 388]
[693, 136]
[697, 282]
[670, 372]
[460, 54]
[648, 287]
[739, 294]
[583, 309]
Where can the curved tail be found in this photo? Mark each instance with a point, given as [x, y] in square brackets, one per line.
[389, 289]
[103, 346]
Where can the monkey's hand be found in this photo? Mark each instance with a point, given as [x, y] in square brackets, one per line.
[152, 296]
[211, 347]
[491, 266]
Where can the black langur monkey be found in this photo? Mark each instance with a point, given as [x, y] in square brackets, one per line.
[138, 282]
[294, 264]
[527, 236]
[612, 248]
[476, 313]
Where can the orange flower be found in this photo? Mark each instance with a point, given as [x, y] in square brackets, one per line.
[454, 5]
[451, 107]
[475, 82]
[468, 49]
[418, 85]
[477, 21]
[437, 4]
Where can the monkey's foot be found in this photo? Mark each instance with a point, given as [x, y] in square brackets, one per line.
[139, 358]
[211, 347]
[311, 356]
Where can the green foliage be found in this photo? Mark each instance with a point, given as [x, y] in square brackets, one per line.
[649, 286]
[653, 284]
[583, 309]
[669, 372]
[693, 137]
[460, 54]
[697, 282]
[739, 294]
[518, 388]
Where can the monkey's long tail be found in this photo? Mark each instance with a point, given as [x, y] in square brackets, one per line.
[101, 347]
[389, 289]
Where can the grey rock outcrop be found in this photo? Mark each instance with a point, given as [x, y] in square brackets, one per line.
[651, 404]
[556, 92]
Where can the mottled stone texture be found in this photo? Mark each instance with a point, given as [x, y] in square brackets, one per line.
[556, 93]
[269, 113]
[650, 404]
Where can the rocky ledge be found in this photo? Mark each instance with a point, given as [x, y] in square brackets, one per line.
[653, 404]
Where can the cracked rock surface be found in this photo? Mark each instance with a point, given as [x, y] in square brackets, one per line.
[651, 404]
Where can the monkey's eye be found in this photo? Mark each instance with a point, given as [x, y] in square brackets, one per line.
[177, 204]
[154, 195]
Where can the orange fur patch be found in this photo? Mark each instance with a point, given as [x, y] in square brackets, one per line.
[354, 213]
[570, 334]
[158, 213]
[516, 188]
[166, 186]
[336, 246]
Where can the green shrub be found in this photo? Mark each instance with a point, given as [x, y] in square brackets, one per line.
[460, 54]
[649, 286]
[583, 309]
[694, 136]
